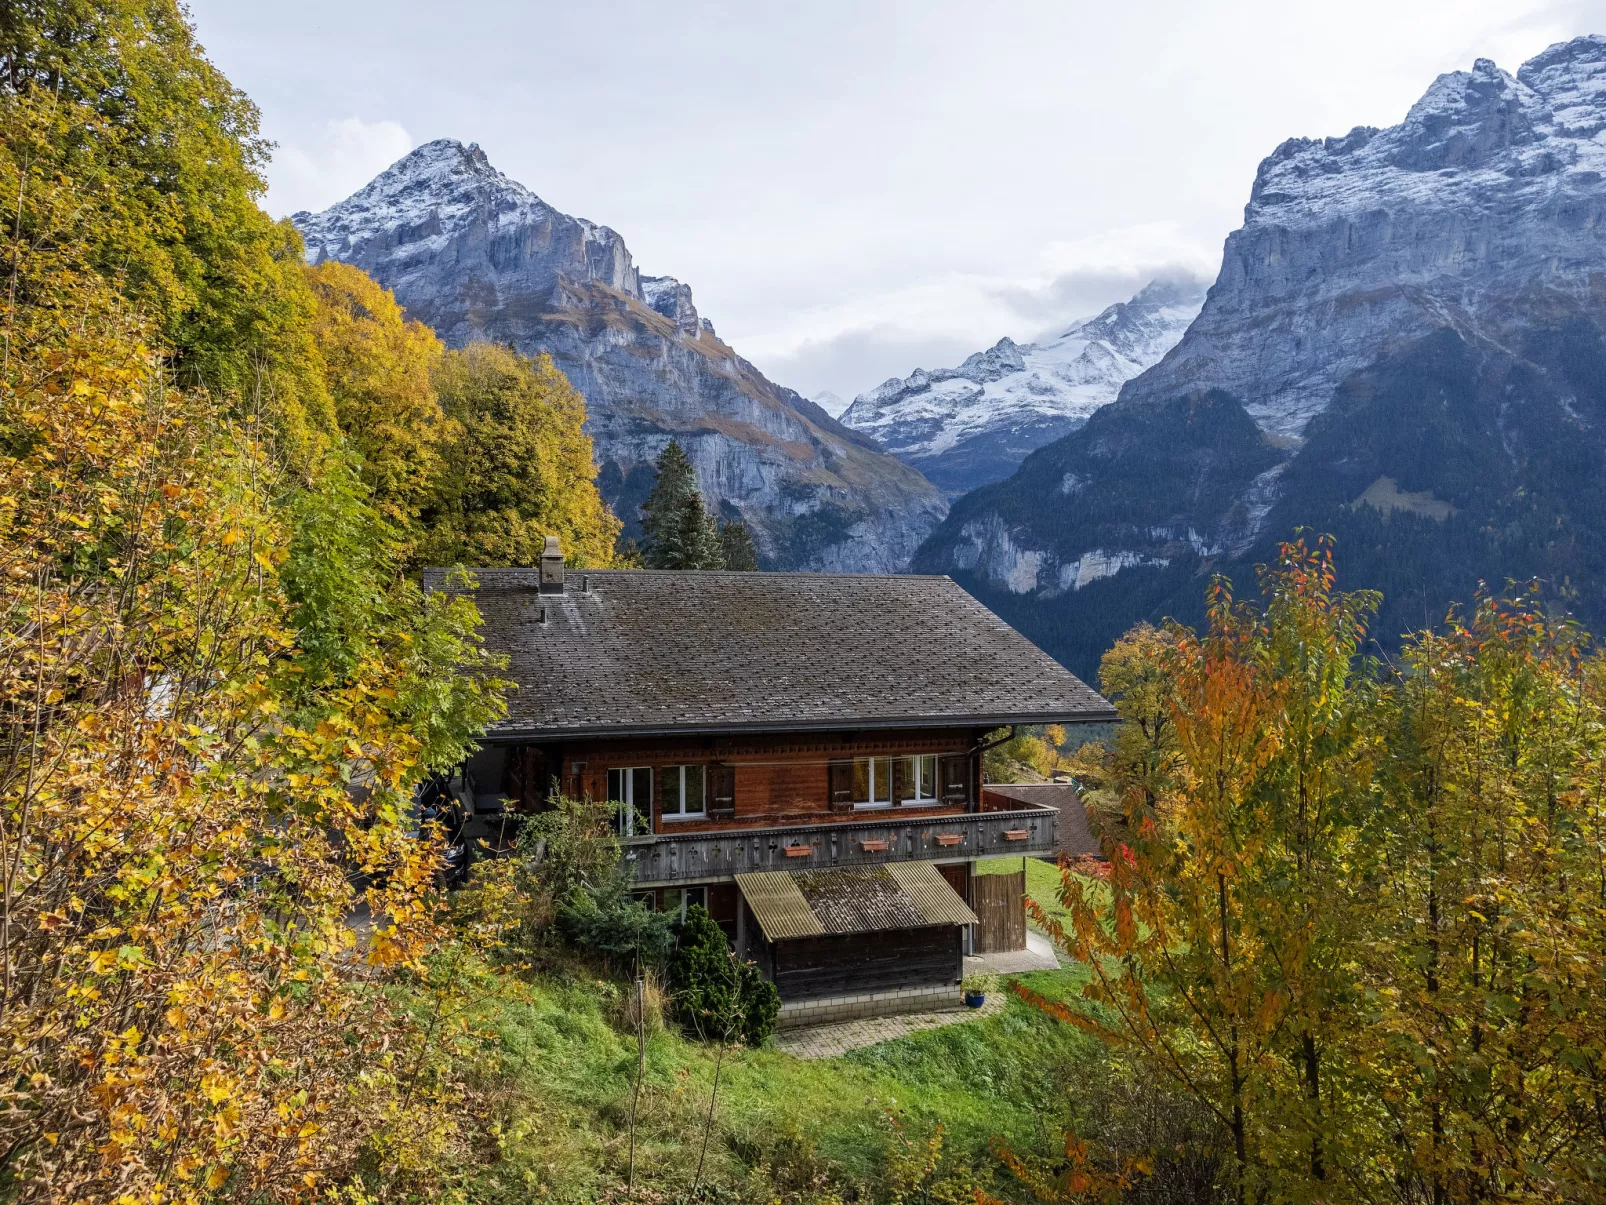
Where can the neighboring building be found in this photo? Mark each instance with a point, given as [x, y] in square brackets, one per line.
[798, 752]
[1076, 836]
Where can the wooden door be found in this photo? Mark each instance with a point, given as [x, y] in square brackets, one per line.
[999, 901]
[958, 876]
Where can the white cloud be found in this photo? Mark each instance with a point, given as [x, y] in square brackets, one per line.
[332, 162]
[854, 188]
[855, 344]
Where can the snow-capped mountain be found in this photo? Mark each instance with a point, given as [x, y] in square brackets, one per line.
[479, 256]
[1406, 347]
[964, 427]
[830, 403]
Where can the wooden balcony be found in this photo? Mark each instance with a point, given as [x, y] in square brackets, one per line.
[669, 858]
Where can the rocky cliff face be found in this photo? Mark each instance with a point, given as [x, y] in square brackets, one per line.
[967, 426]
[1404, 347]
[478, 256]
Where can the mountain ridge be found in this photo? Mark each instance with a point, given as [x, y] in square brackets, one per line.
[1404, 348]
[966, 426]
[477, 255]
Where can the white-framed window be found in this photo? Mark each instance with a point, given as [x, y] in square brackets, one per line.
[631, 788]
[880, 782]
[678, 899]
[685, 790]
[920, 780]
[872, 782]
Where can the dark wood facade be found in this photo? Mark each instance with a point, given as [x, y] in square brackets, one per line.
[816, 968]
[751, 727]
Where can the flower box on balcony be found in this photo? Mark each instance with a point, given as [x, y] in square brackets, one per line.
[799, 851]
[1016, 834]
[950, 838]
[873, 847]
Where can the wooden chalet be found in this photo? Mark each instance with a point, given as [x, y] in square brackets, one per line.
[800, 753]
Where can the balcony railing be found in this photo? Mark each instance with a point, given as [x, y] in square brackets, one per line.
[667, 858]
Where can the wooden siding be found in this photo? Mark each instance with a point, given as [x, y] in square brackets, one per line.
[776, 779]
[1000, 904]
[813, 968]
[869, 839]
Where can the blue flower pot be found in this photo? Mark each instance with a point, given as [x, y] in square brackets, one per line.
[975, 999]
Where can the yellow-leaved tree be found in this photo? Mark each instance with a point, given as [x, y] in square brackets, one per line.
[214, 700]
[517, 465]
[379, 367]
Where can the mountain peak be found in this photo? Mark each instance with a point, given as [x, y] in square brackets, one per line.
[435, 189]
[1489, 180]
[975, 423]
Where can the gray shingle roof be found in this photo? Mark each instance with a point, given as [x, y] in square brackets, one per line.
[643, 651]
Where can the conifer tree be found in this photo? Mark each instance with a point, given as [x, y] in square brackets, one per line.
[677, 530]
[736, 544]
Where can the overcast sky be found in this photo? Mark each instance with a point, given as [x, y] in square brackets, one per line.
[857, 189]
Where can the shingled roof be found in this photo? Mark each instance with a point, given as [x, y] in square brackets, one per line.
[633, 652]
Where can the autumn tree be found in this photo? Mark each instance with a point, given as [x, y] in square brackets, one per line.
[516, 466]
[109, 105]
[1486, 1057]
[217, 696]
[1349, 906]
[1211, 953]
[379, 367]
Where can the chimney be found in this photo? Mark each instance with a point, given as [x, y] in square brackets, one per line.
[552, 567]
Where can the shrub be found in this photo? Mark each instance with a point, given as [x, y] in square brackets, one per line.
[606, 919]
[716, 997]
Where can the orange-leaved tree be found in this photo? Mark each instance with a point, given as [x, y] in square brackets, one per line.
[1227, 824]
[1356, 912]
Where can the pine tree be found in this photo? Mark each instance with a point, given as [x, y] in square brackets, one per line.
[699, 538]
[736, 544]
[677, 530]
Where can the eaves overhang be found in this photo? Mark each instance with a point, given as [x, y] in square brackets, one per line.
[537, 734]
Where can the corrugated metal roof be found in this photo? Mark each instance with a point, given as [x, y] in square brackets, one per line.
[868, 899]
[635, 651]
[778, 906]
[939, 903]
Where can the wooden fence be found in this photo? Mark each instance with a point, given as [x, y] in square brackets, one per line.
[999, 901]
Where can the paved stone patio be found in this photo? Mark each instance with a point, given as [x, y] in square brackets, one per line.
[828, 1041]
[1039, 955]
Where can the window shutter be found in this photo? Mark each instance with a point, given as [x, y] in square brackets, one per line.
[721, 789]
[900, 780]
[663, 790]
[955, 773]
[841, 788]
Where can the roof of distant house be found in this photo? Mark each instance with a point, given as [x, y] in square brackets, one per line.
[637, 652]
[1076, 837]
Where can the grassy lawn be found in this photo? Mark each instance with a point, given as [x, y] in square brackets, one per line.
[567, 1072]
